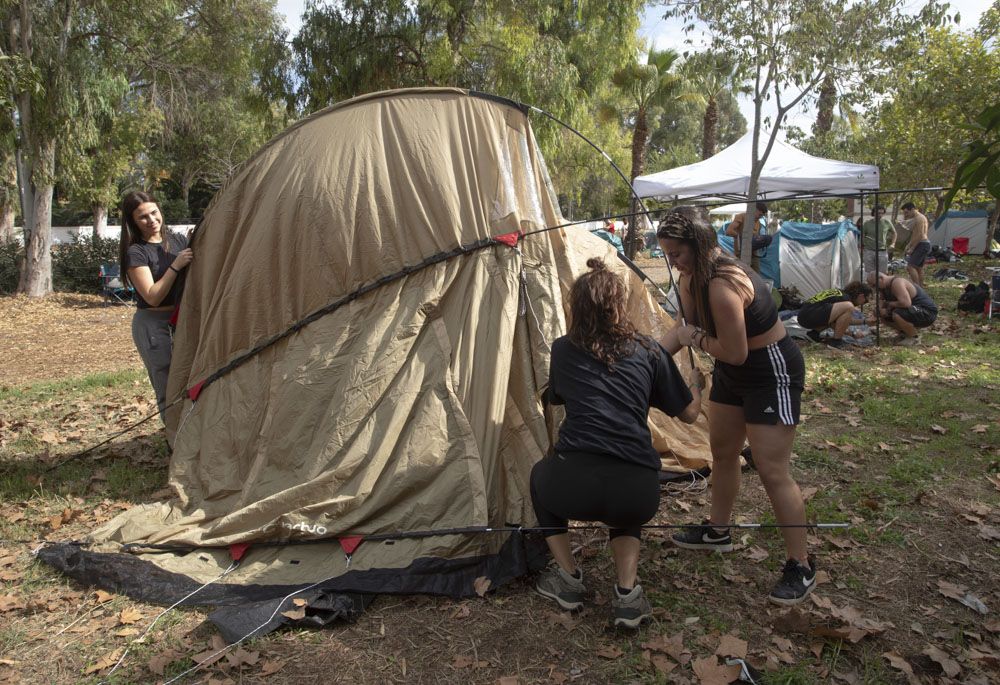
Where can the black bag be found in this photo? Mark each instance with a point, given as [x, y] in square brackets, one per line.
[759, 242]
[974, 298]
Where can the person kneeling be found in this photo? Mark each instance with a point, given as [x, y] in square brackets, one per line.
[604, 467]
[833, 308]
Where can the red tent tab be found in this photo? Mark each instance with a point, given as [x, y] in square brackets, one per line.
[175, 315]
[195, 390]
[237, 551]
[509, 239]
[350, 543]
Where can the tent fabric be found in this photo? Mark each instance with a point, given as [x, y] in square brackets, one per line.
[815, 257]
[409, 405]
[971, 224]
[809, 257]
[788, 172]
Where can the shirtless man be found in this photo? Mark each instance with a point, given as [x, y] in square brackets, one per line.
[919, 246]
[904, 305]
[735, 231]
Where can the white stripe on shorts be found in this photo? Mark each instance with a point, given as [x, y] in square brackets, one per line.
[783, 382]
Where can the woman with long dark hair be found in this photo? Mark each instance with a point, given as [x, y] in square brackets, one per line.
[757, 386]
[604, 467]
[152, 259]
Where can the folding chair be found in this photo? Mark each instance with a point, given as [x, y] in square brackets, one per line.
[112, 288]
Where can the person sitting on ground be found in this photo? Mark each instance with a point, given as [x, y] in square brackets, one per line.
[757, 389]
[833, 308]
[604, 466]
[735, 231]
[919, 246]
[904, 305]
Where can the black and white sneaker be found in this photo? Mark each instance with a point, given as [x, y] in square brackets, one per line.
[704, 537]
[797, 581]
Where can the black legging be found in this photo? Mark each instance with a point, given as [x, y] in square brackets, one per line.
[580, 486]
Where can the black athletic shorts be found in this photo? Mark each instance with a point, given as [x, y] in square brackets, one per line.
[815, 315]
[917, 316]
[581, 486]
[768, 385]
[919, 254]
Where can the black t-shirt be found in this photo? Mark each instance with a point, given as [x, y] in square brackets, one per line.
[606, 411]
[158, 257]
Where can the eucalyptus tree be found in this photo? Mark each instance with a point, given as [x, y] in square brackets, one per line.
[784, 49]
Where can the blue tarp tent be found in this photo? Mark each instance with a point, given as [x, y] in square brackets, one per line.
[810, 257]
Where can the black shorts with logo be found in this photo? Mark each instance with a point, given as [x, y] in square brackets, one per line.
[919, 254]
[917, 316]
[768, 385]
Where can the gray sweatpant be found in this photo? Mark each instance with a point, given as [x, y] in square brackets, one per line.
[152, 337]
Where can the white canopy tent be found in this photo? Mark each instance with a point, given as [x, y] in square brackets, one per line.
[788, 172]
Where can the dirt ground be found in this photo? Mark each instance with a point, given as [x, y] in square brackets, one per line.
[63, 336]
[902, 444]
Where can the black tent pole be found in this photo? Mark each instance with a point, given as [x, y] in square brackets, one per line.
[878, 291]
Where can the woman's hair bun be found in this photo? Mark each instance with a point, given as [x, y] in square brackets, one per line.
[597, 264]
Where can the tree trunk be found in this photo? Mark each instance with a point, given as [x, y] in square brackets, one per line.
[6, 222]
[709, 125]
[639, 137]
[100, 221]
[825, 105]
[186, 184]
[36, 275]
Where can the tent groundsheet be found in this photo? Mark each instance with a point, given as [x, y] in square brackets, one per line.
[358, 365]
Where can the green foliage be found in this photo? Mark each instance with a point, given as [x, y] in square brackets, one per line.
[11, 253]
[76, 265]
[917, 135]
[982, 163]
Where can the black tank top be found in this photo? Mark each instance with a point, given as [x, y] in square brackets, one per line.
[920, 299]
[761, 313]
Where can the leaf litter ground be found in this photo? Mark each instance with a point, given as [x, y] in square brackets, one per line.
[901, 443]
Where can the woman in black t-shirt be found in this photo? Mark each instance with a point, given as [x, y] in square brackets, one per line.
[152, 260]
[604, 467]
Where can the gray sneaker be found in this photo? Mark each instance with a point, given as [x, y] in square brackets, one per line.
[632, 609]
[566, 590]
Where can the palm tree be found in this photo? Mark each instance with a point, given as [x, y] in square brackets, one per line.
[646, 88]
[711, 74]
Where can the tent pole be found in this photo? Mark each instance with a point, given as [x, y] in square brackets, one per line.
[878, 291]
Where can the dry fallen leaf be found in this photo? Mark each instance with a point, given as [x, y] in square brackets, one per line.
[730, 645]
[271, 667]
[101, 596]
[104, 662]
[481, 585]
[609, 652]
[980, 428]
[940, 430]
[947, 664]
[129, 615]
[295, 614]
[757, 554]
[711, 672]
[961, 594]
[157, 665]
[901, 664]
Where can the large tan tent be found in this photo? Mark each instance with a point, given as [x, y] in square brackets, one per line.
[358, 364]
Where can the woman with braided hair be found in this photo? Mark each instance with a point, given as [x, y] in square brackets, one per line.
[604, 467]
[757, 386]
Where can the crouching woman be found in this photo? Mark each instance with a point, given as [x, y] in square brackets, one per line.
[604, 467]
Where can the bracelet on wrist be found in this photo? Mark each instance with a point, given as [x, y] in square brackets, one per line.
[171, 267]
